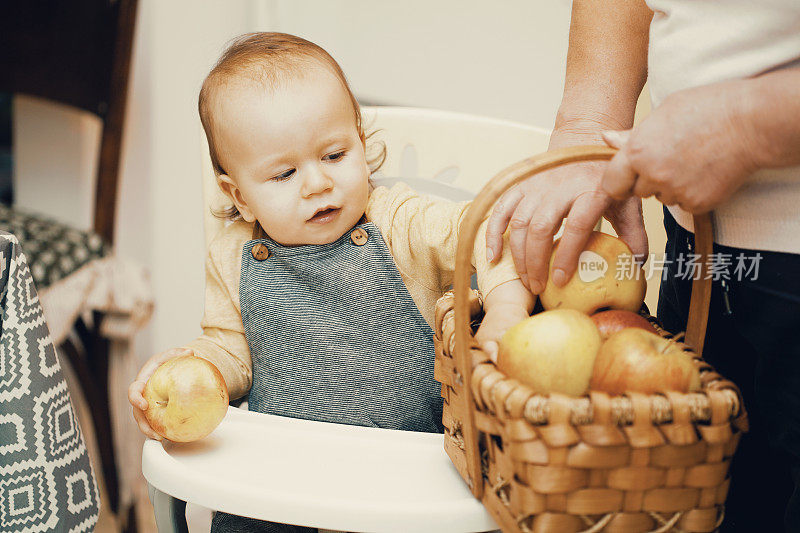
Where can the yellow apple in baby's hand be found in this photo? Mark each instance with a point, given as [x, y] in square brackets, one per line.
[606, 276]
[186, 398]
[552, 351]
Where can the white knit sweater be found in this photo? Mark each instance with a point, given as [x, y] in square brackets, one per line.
[698, 42]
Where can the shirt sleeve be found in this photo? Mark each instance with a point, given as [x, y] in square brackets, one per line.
[223, 341]
[422, 233]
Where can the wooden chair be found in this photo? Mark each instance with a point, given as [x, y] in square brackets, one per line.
[76, 53]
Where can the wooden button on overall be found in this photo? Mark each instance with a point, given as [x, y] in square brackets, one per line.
[359, 237]
[260, 252]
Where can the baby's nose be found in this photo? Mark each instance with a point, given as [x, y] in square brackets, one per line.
[317, 180]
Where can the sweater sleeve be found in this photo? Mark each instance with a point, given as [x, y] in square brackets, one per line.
[223, 341]
[422, 233]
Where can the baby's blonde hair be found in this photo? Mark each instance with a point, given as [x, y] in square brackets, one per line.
[269, 58]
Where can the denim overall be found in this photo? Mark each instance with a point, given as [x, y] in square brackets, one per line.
[335, 336]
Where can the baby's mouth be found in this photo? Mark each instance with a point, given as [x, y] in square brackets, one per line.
[324, 216]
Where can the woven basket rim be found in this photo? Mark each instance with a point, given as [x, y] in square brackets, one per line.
[716, 392]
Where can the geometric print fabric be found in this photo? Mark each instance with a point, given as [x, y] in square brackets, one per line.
[46, 480]
[53, 250]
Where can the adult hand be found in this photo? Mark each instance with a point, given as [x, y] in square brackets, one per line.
[533, 212]
[693, 151]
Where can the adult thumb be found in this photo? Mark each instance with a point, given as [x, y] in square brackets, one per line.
[616, 138]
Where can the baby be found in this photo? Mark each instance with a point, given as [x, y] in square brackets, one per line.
[320, 295]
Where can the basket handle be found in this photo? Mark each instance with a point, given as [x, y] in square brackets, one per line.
[491, 192]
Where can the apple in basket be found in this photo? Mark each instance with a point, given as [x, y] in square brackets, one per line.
[613, 320]
[552, 351]
[186, 398]
[607, 276]
[635, 360]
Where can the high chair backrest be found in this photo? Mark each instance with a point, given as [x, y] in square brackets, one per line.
[446, 154]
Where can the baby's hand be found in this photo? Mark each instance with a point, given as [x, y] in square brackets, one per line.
[136, 389]
[495, 322]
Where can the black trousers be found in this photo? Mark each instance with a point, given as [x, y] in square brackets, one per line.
[753, 339]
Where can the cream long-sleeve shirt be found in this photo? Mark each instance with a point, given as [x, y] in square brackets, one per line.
[421, 233]
[700, 42]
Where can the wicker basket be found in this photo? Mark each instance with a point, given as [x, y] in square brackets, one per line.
[633, 463]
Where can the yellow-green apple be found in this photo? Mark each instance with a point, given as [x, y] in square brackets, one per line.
[635, 360]
[607, 276]
[552, 351]
[613, 320]
[186, 398]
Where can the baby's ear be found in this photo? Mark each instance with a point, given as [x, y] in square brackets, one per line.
[232, 191]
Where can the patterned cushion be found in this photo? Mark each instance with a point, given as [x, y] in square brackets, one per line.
[46, 480]
[54, 250]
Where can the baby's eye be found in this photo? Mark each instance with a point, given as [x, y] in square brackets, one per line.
[283, 176]
[334, 156]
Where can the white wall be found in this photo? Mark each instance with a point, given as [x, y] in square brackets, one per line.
[501, 59]
[160, 215]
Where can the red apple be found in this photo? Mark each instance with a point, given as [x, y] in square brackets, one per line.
[613, 320]
[552, 351]
[607, 276]
[635, 360]
[186, 398]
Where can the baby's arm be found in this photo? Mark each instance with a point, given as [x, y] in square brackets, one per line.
[423, 235]
[506, 305]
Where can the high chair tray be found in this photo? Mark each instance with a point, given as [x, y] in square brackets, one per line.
[317, 474]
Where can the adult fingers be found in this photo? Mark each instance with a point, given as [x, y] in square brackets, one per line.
[616, 138]
[498, 222]
[585, 212]
[645, 188]
[666, 198]
[619, 176]
[518, 231]
[628, 222]
[539, 240]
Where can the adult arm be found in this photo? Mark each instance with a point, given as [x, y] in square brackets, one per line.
[606, 70]
[772, 118]
[701, 144]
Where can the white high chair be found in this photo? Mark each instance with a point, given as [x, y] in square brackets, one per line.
[328, 475]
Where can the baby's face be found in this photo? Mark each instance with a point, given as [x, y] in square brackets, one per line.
[294, 157]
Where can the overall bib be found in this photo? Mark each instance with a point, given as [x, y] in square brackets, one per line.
[335, 336]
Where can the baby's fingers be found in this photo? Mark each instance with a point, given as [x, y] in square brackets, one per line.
[144, 426]
[136, 395]
[491, 348]
[157, 360]
[139, 406]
